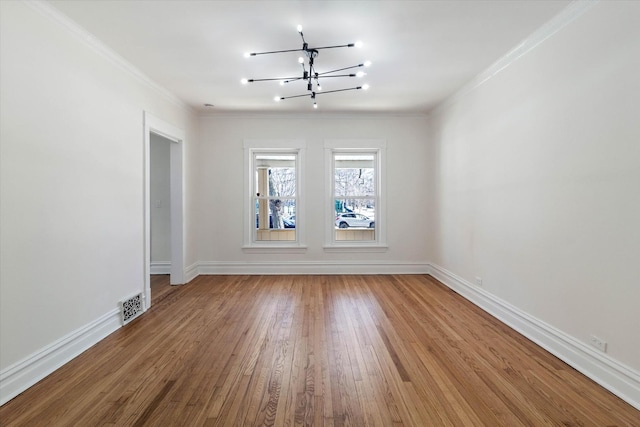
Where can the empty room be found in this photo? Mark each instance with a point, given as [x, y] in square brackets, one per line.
[328, 213]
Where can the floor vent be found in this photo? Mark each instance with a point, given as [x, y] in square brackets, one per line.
[131, 308]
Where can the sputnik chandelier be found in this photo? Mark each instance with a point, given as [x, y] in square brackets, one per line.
[310, 76]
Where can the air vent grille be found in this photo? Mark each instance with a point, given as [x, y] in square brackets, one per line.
[131, 308]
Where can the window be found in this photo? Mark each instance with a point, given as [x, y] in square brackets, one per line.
[354, 191]
[274, 197]
[272, 208]
[355, 187]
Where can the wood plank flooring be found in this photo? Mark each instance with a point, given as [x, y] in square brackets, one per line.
[315, 350]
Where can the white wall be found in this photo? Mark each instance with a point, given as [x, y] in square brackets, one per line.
[160, 199]
[538, 182]
[222, 195]
[71, 211]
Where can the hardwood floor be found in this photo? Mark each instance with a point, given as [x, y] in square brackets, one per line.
[315, 350]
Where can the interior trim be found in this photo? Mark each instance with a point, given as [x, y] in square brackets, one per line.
[616, 377]
[313, 267]
[569, 14]
[23, 374]
[92, 41]
[161, 267]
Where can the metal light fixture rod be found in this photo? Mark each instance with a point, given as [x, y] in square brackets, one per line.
[295, 96]
[267, 80]
[274, 51]
[336, 75]
[293, 79]
[339, 90]
[341, 69]
[314, 94]
[303, 49]
[333, 47]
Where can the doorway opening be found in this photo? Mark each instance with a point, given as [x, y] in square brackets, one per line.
[160, 213]
[167, 204]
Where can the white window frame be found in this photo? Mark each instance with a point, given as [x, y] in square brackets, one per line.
[356, 146]
[275, 147]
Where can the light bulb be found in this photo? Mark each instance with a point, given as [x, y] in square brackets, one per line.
[360, 74]
[365, 86]
[244, 81]
[281, 82]
[276, 98]
[247, 54]
[299, 28]
[315, 105]
[358, 44]
[319, 88]
[367, 63]
[301, 60]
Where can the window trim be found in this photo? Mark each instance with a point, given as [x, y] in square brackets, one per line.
[273, 146]
[356, 146]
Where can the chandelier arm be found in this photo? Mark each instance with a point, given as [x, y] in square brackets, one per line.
[295, 96]
[293, 79]
[267, 80]
[338, 75]
[276, 51]
[333, 47]
[339, 90]
[341, 69]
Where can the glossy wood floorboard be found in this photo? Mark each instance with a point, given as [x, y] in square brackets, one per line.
[315, 350]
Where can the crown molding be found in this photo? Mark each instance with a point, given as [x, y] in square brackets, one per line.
[312, 115]
[99, 47]
[569, 14]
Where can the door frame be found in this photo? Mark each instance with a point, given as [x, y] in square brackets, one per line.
[176, 135]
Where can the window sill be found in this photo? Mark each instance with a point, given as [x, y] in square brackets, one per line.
[274, 249]
[364, 248]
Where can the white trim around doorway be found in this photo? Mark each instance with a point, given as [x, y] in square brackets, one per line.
[155, 125]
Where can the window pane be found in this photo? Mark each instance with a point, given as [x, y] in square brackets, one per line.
[356, 205]
[279, 175]
[354, 175]
[355, 219]
[282, 182]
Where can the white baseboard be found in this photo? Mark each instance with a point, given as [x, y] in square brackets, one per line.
[191, 272]
[21, 375]
[323, 267]
[160, 267]
[164, 267]
[619, 379]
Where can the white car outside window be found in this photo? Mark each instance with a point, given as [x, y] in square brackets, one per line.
[346, 220]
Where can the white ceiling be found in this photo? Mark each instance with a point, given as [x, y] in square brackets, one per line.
[422, 51]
